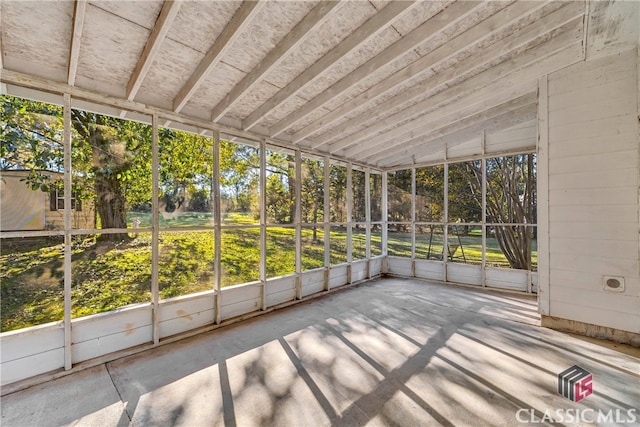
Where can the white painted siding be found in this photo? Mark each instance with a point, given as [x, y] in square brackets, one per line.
[593, 178]
[359, 271]
[375, 266]
[281, 289]
[187, 312]
[522, 136]
[105, 333]
[429, 269]
[338, 276]
[464, 273]
[240, 299]
[30, 352]
[399, 266]
[312, 281]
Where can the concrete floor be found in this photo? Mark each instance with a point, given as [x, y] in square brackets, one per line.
[389, 352]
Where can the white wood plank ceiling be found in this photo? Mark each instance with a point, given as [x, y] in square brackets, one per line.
[384, 83]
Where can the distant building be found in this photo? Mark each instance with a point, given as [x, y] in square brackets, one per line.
[24, 209]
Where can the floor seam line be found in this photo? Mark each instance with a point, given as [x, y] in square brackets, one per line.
[106, 366]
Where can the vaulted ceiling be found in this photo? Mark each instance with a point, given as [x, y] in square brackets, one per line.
[384, 83]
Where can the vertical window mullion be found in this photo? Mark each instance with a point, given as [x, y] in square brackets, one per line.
[413, 215]
[484, 218]
[445, 229]
[327, 225]
[349, 212]
[263, 222]
[217, 260]
[367, 214]
[385, 218]
[67, 231]
[298, 222]
[155, 231]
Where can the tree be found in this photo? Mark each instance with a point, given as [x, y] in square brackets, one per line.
[511, 199]
[239, 177]
[430, 194]
[465, 192]
[185, 171]
[31, 140]
[312, 193]
[119, 167]
[399, 199]
[280, 187]
[111, 158]
[375, 189]
[337, 193]
[359, 210]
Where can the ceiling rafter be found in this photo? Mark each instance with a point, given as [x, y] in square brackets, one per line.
[525, 103]
[492, 96]
[500, 91]
[241, 19]
[536, 51]
[168, 13]
[444, 18]
[316, 17]
[365, 32]
[439, 55]
[448, 140]
[80, 7]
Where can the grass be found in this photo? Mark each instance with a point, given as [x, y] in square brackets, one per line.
[109, 275]
[399, 244]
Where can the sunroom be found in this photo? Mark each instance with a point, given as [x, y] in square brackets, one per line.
[173, 167]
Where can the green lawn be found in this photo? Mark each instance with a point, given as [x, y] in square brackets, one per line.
[466, 248]
[107, 275]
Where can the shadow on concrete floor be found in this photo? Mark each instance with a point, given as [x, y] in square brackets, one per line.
[388, 352]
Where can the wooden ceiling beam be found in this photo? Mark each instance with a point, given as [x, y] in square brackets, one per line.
[446, 142]
[445, 18]
[536, 51]
[479, 32]
[490, 120]
[491, 95]
[168, 13]
[501, 123]
[292, 40]
[76, 39]
[376, 24]
[241, 19]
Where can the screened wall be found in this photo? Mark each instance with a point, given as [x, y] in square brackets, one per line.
[467, 222]
[174, 211]
[152, 228]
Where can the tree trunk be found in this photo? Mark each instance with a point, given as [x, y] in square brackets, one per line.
[110, 205]
[292, 184]
[110, 199]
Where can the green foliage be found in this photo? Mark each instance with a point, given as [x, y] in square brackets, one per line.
[186, 171]
[359, 210]
[239, 178]
[31, 139]
[465, 192]
[280, 188]
[430, 194]
[399, 199]
[312, 191]
[338, 193]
